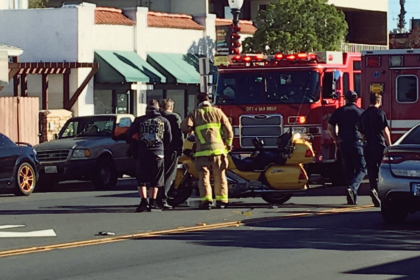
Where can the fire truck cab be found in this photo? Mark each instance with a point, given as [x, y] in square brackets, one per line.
[395, 75]
[264, 96]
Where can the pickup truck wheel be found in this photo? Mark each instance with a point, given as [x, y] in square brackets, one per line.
[25, 180]
[105, 176]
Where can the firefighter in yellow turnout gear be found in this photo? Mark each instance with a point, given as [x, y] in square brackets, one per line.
[213, 140]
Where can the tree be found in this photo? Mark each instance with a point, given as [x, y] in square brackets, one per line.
[297, 25]
[401, 16]
[37, 4]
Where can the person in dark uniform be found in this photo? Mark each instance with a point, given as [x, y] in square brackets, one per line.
[349, 141]
[154, 135]
[173, 151]
[374, 127]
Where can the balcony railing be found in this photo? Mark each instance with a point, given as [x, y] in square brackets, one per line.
[350, 47]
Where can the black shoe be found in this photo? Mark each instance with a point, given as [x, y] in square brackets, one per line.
[375, 198]
[205, 205]
[143, 206]
[350, 197]
[221, 205]
[166, 206]
[154, 206]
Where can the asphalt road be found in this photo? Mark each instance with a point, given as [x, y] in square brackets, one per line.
[313, 236]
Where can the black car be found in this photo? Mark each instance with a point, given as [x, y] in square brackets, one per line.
[18, 166]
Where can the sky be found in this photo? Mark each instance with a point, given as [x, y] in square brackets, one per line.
[412, 7]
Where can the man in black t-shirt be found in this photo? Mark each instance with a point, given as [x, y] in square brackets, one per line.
[349, 141]
[154, 135]
[374, 127]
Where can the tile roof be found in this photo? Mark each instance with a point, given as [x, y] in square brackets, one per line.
[111, 16]
[246, 25]
[178, 21]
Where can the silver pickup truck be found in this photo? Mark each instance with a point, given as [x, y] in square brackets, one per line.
[87, 148]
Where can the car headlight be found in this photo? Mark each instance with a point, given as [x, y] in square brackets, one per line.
[81, 153]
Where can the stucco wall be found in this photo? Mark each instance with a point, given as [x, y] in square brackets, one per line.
[169, 40]
[113, 37]
[43, 34]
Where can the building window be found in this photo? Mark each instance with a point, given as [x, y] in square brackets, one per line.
[356, 78]
[407, 91]
[103, 101]
[122, 103]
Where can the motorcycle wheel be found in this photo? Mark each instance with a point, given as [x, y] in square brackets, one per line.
[276, 198]
[181, 194]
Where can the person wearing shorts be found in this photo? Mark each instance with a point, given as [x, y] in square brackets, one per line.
[154, 135]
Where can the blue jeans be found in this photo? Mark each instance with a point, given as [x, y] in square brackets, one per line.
[354, 164]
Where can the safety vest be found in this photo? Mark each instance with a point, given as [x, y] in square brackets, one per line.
[212, 129]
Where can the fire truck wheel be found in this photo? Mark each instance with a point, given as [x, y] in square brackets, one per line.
[276, 198]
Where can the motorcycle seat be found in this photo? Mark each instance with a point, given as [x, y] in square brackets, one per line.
[246, 164]
[258, 163]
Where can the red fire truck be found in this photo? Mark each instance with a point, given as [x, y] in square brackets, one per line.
[265, 96]
[394, 74]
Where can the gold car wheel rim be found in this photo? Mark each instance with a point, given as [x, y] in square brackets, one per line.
[26, 178]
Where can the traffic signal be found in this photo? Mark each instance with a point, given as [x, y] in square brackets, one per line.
[234, 39]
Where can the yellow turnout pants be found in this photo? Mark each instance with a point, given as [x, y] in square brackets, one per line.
[217, 165]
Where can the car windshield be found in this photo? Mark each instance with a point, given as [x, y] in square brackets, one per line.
[88, 127]
[276, 87]
[5, 142]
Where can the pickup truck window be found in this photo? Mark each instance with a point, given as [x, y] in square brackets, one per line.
[88, 127]
[125, 122]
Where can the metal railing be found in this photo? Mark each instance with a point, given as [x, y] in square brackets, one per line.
[350, 47]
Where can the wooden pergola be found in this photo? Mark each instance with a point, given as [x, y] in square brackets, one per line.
[20, 70]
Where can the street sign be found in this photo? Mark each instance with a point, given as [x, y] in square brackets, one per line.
[223, 40]
[204, 66]
[4, 69]
[206, 84]
[221, 60]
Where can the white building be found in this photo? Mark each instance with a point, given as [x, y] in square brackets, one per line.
[13, 4]
[141, 55]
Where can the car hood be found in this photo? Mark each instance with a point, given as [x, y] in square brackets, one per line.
[66, 144]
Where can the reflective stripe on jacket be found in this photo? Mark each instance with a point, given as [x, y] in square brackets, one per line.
[212, 129]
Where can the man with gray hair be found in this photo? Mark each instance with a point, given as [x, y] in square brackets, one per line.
[173, 151]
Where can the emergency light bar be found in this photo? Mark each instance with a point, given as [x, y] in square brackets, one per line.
[261, 59]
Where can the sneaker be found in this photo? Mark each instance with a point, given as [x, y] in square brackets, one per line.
[154, 206]
[375, 198]
[165, 206]
[143, 206]
[205, 205]
[221, 205]
[350, 197]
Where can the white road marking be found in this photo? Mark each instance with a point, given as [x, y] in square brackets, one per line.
[36, 233]
[11, 226]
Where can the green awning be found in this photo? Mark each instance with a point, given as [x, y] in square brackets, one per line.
[125, 66]
[177, 68]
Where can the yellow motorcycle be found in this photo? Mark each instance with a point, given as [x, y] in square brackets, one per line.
[273, 175]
